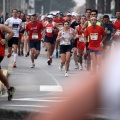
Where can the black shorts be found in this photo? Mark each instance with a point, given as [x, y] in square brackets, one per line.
[50, 40]
[65, 48]
[35, 44]
[13, 41]
[1, 58]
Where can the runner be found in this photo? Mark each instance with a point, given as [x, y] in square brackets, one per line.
[34, 29]
[4, 29]
[65, 36]
[59, 22]
[95, 34]
[110, 30]
[21, 40]
[94, 13]
[116, 23]
[80, 41]
[25, 37]
[50, 37]
[15, 24]
[74, 42]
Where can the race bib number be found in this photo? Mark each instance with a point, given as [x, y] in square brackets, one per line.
[66, 42]
[34, 36]
[49, 30]
[15, 25]
[94, 36]
[81, 38]
[117, 33]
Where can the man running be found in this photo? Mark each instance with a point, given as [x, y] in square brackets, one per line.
[4, 29]
[34, 29]
[15, 24]
[95, 34]
[116, 23]
[110, 29]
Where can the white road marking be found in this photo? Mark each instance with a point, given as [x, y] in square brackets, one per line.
[38, 106]
[37, 100]
[51, 88]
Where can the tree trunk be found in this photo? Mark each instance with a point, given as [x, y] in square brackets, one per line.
[91, 4]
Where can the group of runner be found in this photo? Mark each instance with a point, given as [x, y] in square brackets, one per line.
[83, 36]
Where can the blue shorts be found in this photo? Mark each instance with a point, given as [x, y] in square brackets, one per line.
[35, 44]
[97, 52]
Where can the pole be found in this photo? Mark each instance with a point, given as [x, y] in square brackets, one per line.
[4, 12]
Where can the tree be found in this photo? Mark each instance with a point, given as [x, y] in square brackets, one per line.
[62, 5]
[54, 5]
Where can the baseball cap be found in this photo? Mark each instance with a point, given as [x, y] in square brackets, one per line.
[60, 13]
[69, 14]
[50, 16]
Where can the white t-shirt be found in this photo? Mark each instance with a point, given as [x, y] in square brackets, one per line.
[15, 24]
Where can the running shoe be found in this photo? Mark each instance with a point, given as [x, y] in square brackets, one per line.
[14, 65]
[22, 53]
[51, 59]
[66, 74]
[76, 66]
[9, 55]
[81, 67]
[33, 65]
[10, 93]
[49, 62]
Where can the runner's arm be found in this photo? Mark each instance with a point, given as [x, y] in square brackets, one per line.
[85, 26]
[59, 37]
[9, 31]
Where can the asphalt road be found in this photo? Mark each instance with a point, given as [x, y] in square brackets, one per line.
[36, 87]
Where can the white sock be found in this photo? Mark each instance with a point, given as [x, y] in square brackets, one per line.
[15, 57]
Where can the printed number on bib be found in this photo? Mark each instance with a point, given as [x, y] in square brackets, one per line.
[66, 42]
[34, 36]
[49, 30]
[81, 39]
[94, 36]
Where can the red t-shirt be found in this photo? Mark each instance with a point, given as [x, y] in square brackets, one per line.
[117, 26]
[95, 37]
[34, 30]
[59, 21]
[2, 47]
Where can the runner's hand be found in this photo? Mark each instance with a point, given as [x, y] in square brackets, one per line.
[2, 41]
[101, 44]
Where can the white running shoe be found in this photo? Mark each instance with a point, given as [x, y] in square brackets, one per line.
[33, 65]
[66, 74]
[76, 66]
[81, 67]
